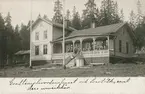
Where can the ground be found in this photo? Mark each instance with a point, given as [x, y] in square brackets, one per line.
[117, 70]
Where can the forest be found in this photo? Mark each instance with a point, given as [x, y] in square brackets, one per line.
[14, 39]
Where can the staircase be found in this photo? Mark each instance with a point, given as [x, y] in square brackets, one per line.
[70, 61]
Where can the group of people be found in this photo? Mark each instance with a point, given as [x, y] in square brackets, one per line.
[88, 46]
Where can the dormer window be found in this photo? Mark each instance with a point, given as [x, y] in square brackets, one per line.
[45, 34]
[37, 36]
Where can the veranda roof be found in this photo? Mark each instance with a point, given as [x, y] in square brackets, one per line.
[102, 30]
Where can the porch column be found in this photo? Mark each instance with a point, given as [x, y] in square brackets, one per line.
[108, 43]
[62, 46]
[73, 45]
[108, 50]
[81, 44]
[52, 49]
[93, 43]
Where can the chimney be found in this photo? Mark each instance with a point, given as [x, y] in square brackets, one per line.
[93, 24]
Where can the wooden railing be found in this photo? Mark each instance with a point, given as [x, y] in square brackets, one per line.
[95, 53]
[60, 55]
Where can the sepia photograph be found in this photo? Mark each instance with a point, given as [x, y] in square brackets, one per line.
[72, 38]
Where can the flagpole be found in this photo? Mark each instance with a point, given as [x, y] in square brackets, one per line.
[63, 34]
[30, 33]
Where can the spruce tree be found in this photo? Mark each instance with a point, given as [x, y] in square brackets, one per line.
[89, 14]
[68, 18]
[17, 39]
[132, 20]
[76, 21]
[3, 41]
[10, 39]
[58, 18]
[109, 12]
[25, 36]
[139, 14]
[121, 15]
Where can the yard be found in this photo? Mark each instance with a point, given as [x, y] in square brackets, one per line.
[123, 70]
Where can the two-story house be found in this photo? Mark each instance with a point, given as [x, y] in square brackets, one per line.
[44, 32]
[103, 44]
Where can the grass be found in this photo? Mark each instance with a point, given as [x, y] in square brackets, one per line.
[112, 70]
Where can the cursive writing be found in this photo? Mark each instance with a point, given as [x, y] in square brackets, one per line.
[63, 83]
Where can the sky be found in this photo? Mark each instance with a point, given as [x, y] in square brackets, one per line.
[20, 10]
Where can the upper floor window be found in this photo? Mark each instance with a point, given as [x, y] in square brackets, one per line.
[37, 36]
[44, 49]
[120, 46]
[127, 47]
[45, 34]
[36, 50]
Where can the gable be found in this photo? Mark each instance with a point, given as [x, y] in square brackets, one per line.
[40, 27]
[38, 22]
[126, 32]
[124, 35]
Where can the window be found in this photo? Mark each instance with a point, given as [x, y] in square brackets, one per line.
[45, 34]
[44, 49]
[127, 47]
[120, 45]
[36, 50]
[37, 36]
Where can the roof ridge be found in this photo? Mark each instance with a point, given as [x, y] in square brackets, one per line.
[102, 26]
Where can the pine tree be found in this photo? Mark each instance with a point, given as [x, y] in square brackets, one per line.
[140, 27]
[121, 15]
[105, 12]
[10, 39]
[132, 20]
[109, 12]
[89, 14]
[58, 12]
[140, 35]
[25, 36]
[8, 23]
[74, 11]
[115, 13]
[139, 13]
[85, 20]
[17, 39]
[76, 21]
[91, 9]
[98, 17]
[3, 43]
[68, 17]
[2, 23]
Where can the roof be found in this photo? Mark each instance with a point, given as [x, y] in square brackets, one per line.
[99, 30]
[102, 30]
[45, 19]
[22, 52]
